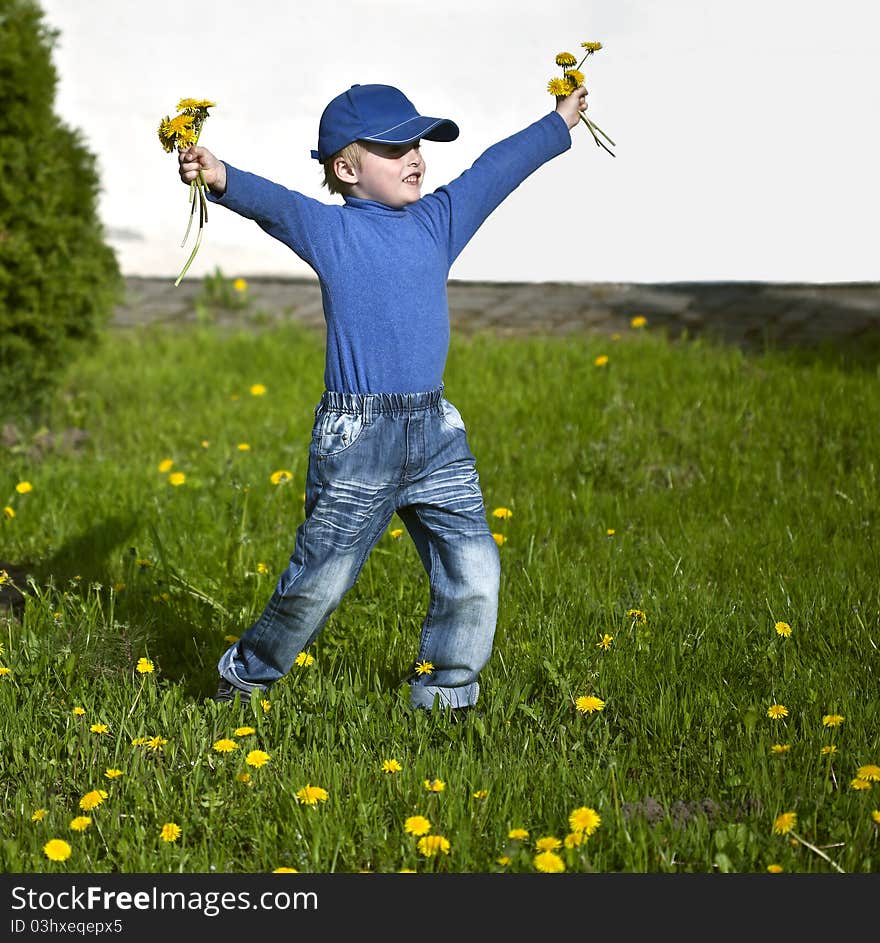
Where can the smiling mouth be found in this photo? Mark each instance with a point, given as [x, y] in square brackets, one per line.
[412, 179]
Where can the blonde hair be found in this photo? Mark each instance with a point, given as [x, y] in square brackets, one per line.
[351, 154]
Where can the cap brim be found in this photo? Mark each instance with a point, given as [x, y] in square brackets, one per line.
[432, 129]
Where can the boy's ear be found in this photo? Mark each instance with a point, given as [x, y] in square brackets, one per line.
[344, 171]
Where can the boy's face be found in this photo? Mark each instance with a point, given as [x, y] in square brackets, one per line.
[390, 173]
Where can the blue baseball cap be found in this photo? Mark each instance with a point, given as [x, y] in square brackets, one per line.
[379, 113]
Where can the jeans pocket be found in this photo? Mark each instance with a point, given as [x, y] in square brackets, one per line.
[336, 431]
[451, 416]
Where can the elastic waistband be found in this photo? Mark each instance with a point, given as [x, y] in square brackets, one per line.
[371, 404]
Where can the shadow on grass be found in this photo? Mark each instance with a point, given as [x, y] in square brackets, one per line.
[144, 620]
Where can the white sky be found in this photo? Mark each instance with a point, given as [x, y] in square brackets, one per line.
[747, 132]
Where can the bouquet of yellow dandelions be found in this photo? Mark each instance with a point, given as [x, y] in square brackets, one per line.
[572, 77]
[181, 131]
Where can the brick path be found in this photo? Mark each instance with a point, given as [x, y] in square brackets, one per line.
[744, 313]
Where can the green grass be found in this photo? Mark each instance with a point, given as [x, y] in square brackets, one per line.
[742, 490]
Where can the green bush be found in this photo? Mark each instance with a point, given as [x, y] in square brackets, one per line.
[59, 281]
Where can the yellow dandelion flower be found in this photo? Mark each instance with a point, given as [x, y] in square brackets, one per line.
[860, 784]
[171, 831]
[266, 705]
[262, 568]
[828, 750]
[777, 711]
[240, 285]
[549, 863]
[391, 766]
[432, 845]
[243, 731]
[99, 728]
[775, 869]
[784, 823]
[166, 135]
[424, 667]
[285, 871]
[194, 104]
[869, 772]
[499, 539]
[605, 642]
[559, 87]
[481, 794]
[112, 773]
[587, 704]
[502, 513]
[638, 321]
[304, 659]
[574, 839]
[833, 720]
[610, 532]
[80, 823]
[91, 800]
[434, 785]
[601, 360]
[574, 76]
[177, 479]
[155, 743]
[549, 843]
[504, 861]
[636, 615]
[783, 629]
[205, 444]
[39, 815]
[4, 671]
[396, 534]
[312, 795]
[281, 477]
[518, 834]
[780, 748]
[591, 46]
[243, 447]
[23, 487]
[57, 849]
[566, 58]
[165, 465]
[417, 825]
[584, 820]
[8, 512]
[875, 815]
[244, 778]
[257, 389]
[257, 758]
[138, 741]
[231, 639]
[145, 666]
[225, 745]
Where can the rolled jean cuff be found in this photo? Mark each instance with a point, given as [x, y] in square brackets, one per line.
[423, 695]
[226, 667]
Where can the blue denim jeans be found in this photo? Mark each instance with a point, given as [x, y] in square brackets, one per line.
[371, 455]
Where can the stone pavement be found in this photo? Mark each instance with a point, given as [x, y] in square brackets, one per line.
[749, 314]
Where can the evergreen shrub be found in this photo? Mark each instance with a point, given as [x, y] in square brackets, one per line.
[59, 280]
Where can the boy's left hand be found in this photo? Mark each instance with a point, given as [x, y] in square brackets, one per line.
[572, 105]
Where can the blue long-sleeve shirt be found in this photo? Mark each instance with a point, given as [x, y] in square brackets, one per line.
[383, 271]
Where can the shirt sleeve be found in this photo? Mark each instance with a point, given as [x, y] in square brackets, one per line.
[288, 216]
[457, 210]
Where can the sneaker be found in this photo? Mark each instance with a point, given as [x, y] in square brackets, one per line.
[227, 692]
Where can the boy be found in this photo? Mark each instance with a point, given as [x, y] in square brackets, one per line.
[385, 439]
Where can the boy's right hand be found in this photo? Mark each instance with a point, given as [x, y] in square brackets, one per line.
[193, 159]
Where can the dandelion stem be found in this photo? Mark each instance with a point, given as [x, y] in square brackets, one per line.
[192, 211]
[819, 852]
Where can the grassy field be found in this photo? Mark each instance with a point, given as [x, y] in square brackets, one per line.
[685, 670]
